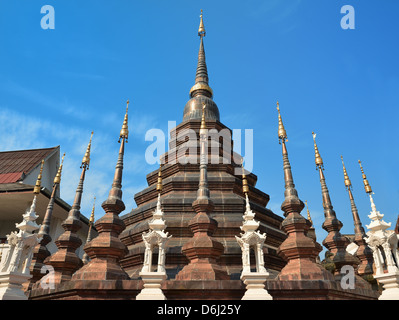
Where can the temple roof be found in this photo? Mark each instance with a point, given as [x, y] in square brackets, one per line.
[15, 164]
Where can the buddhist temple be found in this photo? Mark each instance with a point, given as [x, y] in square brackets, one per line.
[201, 229]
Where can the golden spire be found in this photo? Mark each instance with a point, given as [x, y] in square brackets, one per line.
[57, 178]
[201, 29]
[367, 186]
[201, 86]
[318, 159]
[348, 183]
[36, 189]
[282, 134]
[92, 212]
[86, 158]
[245, 188]
[124, 131]
[307, 208]
[203, 123]
[159, 183]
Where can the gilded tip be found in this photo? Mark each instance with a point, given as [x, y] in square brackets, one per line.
[348, 183]
[318, 159]
[57, 179]
[86, 157]
[245, 187]
[203, 122]
[159, 182]
[124, 133]
[367, 186]
[201, 29]
[36, 189]
[92, 211]
[308, 212]
[282, 134]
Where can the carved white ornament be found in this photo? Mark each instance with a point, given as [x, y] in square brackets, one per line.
[156, 237]
[252, 238]
[384, 244]
[16, 256]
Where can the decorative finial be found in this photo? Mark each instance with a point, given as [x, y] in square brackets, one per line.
[348, 183]
[92, 212]
[318, 159]
[86, 158]
[36, 189]
[245, 188]
[124, 131]
[203, 123]
[57, 179]
[201, 86]
[367, 186]
[159, 183]
[282, 134]
[307, 209]
[201, 29]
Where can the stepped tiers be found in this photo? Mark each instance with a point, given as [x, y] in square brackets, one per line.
[180, 185]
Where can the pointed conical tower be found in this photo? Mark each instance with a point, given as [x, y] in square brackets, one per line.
[106, 249]
[40, 253]
[298, 249]
[364, 253]
[335, 242]
[85, 258]
[201, 92]
[181, 173]
[65, 261]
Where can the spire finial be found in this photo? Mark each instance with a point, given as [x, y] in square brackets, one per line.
[92, 211]
[36, 189]
[57, 179]
[201, 29]
[203, 122]
[201, 86]
[245, 188]
[307, 209]
[86, 158]
[159, 183]
[318, 159]
[124, 131]
[282, 134]
[348, 183]
[367, 186]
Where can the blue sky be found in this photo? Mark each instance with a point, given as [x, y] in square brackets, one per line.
[56, 86]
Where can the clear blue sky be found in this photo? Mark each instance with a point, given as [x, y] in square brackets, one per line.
[58, 85]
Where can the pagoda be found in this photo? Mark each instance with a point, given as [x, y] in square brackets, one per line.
[181, 172]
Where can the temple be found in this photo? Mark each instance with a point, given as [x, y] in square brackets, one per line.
[202, 229]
